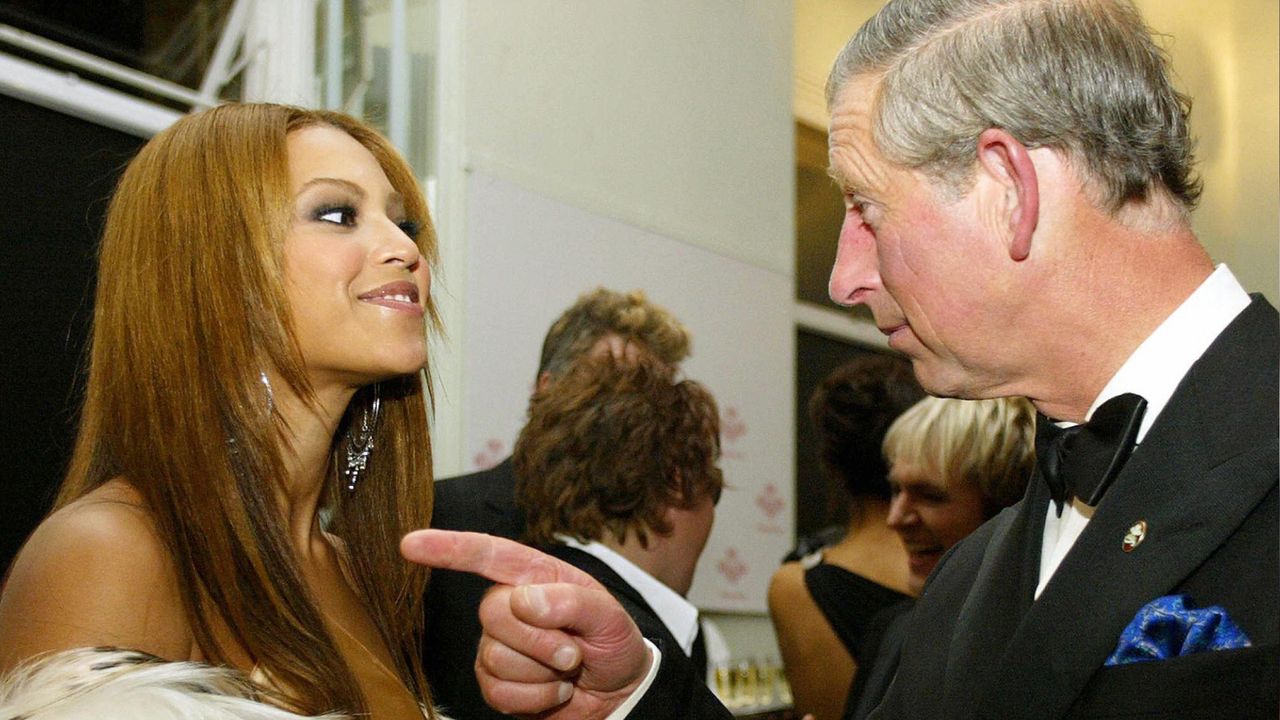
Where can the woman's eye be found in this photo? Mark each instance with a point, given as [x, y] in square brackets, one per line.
[344, 216]
[410, 228]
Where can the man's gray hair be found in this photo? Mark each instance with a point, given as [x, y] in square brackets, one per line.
[1083, 77]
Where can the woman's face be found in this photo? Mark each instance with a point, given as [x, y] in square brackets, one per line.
[356, 284]
[930, 516]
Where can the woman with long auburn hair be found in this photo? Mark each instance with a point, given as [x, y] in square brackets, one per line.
[258, 356]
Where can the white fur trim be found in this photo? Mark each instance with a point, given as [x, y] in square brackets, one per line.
[111, 684]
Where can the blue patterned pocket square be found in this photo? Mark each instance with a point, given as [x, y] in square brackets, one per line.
[1166, 628]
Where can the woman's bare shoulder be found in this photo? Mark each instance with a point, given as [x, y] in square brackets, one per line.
[94, 573]
[787, 592]
[109, 525]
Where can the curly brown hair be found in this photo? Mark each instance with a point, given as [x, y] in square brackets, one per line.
[851, 409]
[611, 446]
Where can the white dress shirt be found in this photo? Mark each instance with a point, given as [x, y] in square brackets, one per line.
[1152, 371]
[678, 615]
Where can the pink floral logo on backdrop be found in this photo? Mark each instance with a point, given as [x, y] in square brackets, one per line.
[732, 426]
[491, 455]
[770, 501]
[732, 567]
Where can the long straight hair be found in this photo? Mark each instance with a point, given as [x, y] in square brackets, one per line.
[190, 309]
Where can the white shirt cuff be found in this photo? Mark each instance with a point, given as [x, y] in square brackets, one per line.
[630, 703]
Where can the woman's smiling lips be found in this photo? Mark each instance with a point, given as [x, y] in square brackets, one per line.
[401, 295]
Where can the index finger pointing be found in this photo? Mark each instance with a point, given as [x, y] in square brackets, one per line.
[501, 560]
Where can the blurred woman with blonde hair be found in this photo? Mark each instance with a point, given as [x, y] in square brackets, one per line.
[953, 465]
[258, 355]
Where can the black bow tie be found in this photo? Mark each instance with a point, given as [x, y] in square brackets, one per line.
[1082, 460]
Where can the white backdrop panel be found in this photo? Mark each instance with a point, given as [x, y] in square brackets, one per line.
[529, 257]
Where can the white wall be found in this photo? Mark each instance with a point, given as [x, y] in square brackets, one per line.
[673, 116]
[668, 117]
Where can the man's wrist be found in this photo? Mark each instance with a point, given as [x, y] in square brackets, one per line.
[630, 703]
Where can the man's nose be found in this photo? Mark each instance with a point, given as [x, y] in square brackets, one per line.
[856, 273]
[901, 513]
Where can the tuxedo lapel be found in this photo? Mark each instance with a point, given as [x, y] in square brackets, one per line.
[1193, 480]
[1001, 593]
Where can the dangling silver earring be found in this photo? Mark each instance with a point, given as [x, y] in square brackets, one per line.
[360, 441]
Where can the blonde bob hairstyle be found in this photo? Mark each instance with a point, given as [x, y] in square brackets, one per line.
[990, 443]
[190, 309]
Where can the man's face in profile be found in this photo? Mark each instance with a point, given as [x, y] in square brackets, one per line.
[924, 261]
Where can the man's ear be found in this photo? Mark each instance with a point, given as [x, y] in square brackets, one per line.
[544, 381]
[1006, 161]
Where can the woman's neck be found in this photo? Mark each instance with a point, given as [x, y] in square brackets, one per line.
[305, 443]
[868, 513]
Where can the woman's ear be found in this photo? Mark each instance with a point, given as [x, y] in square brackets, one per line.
[1006, 162]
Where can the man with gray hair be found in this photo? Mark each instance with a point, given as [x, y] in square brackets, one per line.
[1018, 183]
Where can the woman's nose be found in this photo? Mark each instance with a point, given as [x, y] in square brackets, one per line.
[396, 247]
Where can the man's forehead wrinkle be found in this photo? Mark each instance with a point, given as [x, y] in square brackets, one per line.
[855, 171]
[854, 160]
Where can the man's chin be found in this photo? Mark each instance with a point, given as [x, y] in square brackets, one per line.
[936, 379]
[946, 380]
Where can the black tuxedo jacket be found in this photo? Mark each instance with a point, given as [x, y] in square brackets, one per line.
[480, 502]
[483, 501]
[1204, 480]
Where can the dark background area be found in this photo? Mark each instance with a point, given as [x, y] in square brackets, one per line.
[57, 173]
[169, 39]
[818, 505]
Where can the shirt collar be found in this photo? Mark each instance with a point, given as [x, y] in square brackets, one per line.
[677, 614]
[1160, 362]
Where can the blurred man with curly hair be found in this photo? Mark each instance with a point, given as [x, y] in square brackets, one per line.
[601, 323]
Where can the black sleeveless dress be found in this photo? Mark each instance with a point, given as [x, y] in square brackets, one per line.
[849, 601]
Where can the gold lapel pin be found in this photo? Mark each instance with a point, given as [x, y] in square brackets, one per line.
[1137, 533]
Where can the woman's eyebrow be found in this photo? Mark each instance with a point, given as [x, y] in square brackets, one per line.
[394, 198]
[345, 184]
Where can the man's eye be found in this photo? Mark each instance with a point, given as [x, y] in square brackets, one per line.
[857, 205]
[344, 216]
